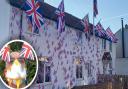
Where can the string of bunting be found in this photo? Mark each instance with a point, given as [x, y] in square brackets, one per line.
[26, 52]
[5, 54]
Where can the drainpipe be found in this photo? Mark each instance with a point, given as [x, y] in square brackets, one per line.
[122, 38]
[21, 20]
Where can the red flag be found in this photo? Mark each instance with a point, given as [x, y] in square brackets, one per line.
[95, 10]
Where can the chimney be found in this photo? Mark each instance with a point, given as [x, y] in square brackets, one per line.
[126, 26]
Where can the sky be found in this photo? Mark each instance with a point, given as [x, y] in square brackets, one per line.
[110, 11]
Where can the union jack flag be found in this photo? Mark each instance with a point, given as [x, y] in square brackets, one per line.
[100, 30]
[60, 19]
[26, 52]
[95, 10]
[110, 35]
[4, 53]
[33, 11]
[85, 22]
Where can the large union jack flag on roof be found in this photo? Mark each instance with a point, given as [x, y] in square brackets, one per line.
[100, 30]
[4, 53]
[33, 10]
[61, 15]
[110, 35]
[26, 52]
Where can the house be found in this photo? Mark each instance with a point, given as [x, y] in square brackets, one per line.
[121, 62]
[70, 58]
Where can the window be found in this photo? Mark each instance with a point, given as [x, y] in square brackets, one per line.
[110, 46]
[104, 67]
[110, 68]
[79, 71]
[89, 69]
[47, 74]
[103, 44]
[107, 67]
[40, 74]
[44, 73]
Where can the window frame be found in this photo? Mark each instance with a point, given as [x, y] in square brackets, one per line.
[80, 74]
[110, 46]
[40, 73]
[47, 65]
[43, 73]
[103, 44]
[107, 67]
[89, 69]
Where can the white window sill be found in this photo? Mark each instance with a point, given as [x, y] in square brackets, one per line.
[46, 83]
[103, 50]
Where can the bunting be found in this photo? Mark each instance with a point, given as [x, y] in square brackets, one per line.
[4, 53]
[26, 52]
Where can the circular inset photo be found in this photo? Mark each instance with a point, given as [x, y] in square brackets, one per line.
[18, 64]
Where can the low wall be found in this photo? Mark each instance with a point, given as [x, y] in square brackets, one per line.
[108, 82]
[97, 86]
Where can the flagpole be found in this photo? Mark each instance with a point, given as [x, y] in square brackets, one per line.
[94, 33]
[93, 18]
[93, 25]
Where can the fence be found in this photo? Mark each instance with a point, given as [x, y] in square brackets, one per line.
[116, 80]
[108, 82]
[96, 86]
